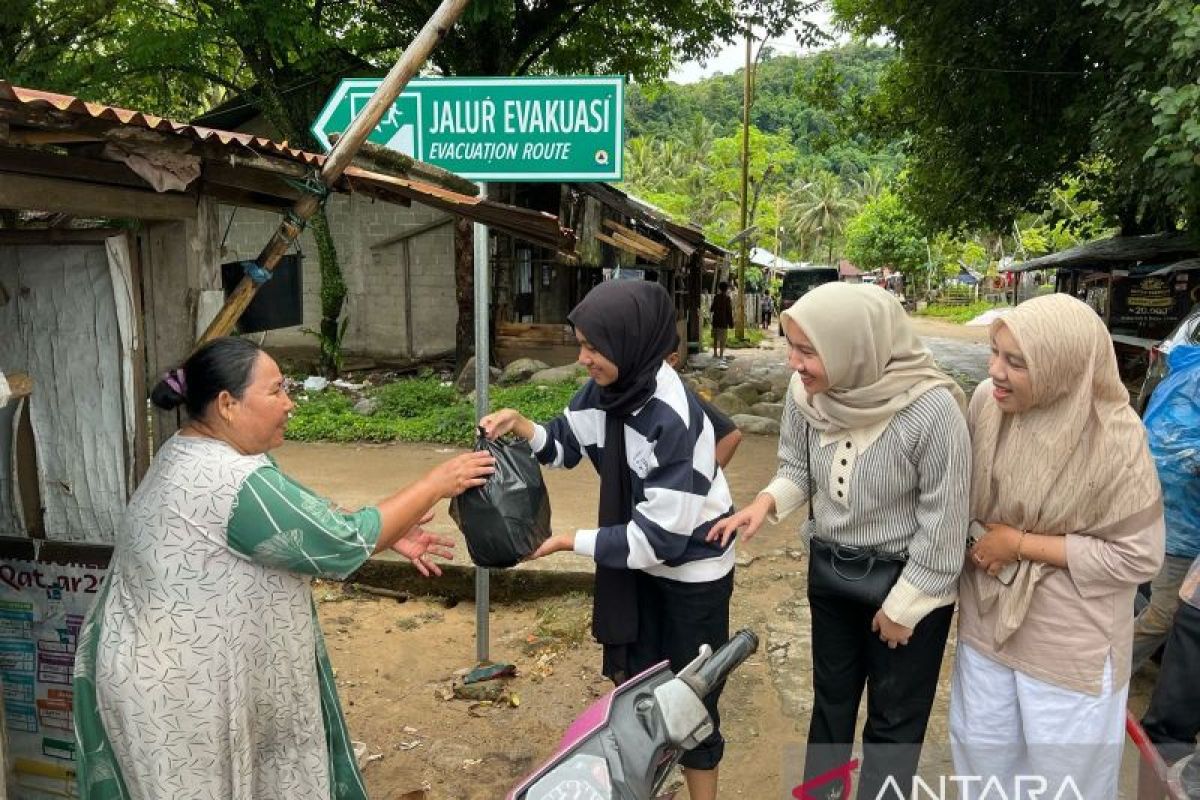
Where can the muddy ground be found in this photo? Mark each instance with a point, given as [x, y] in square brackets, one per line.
[397, 662]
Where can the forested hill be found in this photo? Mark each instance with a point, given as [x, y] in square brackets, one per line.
[683, 148]
[808, 99]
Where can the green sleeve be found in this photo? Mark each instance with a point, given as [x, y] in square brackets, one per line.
[279, 523]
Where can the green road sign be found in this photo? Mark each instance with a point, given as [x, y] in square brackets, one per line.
[496, 129]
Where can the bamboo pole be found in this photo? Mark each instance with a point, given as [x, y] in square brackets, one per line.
[340, 157]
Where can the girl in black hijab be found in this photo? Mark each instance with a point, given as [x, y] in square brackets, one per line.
[662, 590]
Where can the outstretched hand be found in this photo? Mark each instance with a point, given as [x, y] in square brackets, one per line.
[418, 544]
[563, 541]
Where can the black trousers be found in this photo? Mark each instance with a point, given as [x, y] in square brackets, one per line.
[674, 619]
[1173, 719]
[901, 683]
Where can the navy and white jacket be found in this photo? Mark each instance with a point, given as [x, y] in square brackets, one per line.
[679, 492]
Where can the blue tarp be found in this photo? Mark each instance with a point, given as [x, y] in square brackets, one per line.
[1172, 421]
[966, 278]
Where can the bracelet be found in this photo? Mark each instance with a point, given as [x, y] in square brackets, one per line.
[1020, 542]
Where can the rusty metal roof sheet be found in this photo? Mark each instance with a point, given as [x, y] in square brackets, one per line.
[36, 99]
[535, 226]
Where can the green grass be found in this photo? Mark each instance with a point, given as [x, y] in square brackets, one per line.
[415, 410]
[958, 314]
[754, 337]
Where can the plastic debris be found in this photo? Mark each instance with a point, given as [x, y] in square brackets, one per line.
[490, 672]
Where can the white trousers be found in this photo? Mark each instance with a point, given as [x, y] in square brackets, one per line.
[1010, 728]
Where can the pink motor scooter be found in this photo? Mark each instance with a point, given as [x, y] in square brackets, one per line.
[624, 745]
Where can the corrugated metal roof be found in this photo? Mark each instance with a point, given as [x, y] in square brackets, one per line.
[1105, 254]
[35, 99]
[535, 226]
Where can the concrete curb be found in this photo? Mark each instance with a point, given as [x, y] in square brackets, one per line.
[458, 581]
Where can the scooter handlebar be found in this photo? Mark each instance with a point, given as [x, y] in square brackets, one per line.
[728, 658]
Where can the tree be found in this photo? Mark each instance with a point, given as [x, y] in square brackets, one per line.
[53, 44]
[886, 234]
[1000, 102]
[1149, 124]
[823, 207]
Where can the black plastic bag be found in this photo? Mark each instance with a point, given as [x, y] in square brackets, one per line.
[508, 517]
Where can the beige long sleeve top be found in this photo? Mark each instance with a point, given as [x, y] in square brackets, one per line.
[1079, 616]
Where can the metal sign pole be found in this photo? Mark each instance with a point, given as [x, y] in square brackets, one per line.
[482, 380]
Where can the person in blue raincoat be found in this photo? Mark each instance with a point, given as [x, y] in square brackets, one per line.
[1172, 422]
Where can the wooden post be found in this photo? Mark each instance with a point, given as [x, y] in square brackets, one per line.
[343, 152]
[747, 83]
[695, 285]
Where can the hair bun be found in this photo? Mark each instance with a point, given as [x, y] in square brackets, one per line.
[165, 397]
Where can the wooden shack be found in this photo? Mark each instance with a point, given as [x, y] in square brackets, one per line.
[1142, 286]
[616, 235]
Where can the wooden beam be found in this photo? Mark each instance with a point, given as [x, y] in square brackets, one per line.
[626, 246]
[645, 252]
[37, 162]
[379, 159]
[629, 247]
[243, 199]
[628, 233]
[19, 385]
[26, 192]
[57, 236]
[251, 180]
[34, 137]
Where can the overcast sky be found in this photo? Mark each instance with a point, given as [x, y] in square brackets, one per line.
[732, 57]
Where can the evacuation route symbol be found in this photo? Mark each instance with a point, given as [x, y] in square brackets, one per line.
[400, 127]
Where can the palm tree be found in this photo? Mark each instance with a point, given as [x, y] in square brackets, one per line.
[870, 184]
[824, 208]
[792, 200]
[641, 161]
[699, 138]
[674, 161]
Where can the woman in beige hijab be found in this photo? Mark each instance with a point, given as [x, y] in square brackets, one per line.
[1070, 521]
[884, 433]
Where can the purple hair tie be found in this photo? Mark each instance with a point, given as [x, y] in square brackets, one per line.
[177, 381]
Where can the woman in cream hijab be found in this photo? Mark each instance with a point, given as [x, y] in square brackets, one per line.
[884, 432]
[1070, 521]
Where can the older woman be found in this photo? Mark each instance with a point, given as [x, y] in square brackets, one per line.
[201, 671]
[1071, 513]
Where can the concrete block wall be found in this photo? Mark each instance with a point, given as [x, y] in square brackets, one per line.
[374, 273]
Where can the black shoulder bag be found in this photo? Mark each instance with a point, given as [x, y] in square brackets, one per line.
[861, 574]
